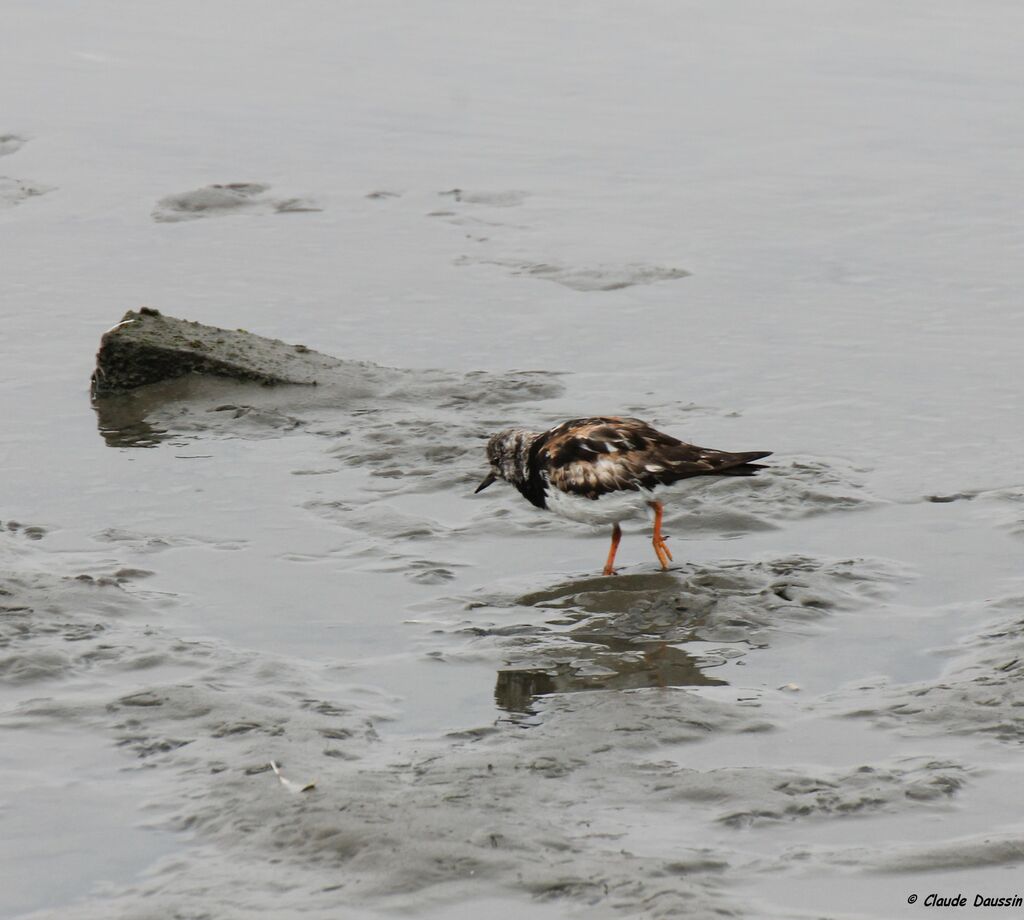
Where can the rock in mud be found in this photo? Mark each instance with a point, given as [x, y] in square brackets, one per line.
[157, 376]
[148, 347]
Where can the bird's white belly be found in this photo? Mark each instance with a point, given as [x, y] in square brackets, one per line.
[613, 507]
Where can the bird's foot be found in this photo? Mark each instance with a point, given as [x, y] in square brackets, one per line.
[662, 551]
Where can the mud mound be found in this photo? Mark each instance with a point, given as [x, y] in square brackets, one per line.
[983, 692]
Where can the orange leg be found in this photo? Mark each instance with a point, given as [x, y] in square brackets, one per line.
[661, 549]
[616, 536]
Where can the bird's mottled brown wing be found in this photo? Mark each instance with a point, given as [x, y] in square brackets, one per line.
[593, 456]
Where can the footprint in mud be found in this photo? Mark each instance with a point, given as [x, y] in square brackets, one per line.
[11, 143]
[506, 199]
[601, 277]
[585, 278]
[461, 217]
[31, 532]
[14, 191]
[231, 198]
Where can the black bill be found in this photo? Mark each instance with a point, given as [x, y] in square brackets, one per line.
[488, 480]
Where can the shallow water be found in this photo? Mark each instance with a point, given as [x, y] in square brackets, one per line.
[789, 230]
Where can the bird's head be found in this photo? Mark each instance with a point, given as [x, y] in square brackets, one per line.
[508, 453]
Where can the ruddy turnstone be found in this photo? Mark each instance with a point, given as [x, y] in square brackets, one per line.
[606, 469]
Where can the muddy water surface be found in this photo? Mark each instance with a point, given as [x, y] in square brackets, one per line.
[784, 231]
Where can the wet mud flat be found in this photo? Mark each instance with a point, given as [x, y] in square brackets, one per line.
[647, 757]
[263, 653]
[603, 801]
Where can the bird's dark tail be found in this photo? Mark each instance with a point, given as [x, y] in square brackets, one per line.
[744, 465]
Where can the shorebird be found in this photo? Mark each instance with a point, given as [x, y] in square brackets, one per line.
[607, 469]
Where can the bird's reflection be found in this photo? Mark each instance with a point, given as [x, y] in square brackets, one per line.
[604, 663]
[621, 633]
